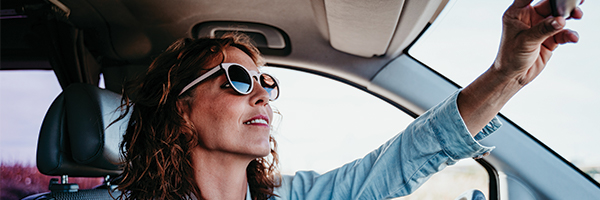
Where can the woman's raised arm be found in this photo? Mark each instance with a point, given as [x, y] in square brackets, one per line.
[529, 35]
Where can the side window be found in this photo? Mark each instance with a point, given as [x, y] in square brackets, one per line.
[25, 96]
[324, 124]
[453, 181]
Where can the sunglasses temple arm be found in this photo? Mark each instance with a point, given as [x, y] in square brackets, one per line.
[201, 78]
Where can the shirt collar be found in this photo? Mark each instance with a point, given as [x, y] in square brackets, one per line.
[248, 196]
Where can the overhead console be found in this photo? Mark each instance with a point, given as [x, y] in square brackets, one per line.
[268, 39]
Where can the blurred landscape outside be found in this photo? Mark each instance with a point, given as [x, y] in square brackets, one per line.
[18, 181]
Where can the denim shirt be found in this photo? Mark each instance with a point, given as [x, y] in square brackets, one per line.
[436, 139]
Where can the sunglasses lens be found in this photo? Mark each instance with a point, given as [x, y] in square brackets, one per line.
[270, 85]
[240, 79]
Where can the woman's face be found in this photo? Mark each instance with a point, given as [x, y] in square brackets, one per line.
[228, 122]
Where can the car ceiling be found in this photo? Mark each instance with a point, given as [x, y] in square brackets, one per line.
[350, 39]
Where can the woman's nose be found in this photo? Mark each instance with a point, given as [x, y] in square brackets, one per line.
[260, 96]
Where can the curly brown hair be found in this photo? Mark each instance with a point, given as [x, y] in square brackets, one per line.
[158, 142]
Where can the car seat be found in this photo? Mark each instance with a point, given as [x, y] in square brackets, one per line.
[79, 139]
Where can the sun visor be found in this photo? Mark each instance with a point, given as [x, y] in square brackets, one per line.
[362, 28]
[375, 28]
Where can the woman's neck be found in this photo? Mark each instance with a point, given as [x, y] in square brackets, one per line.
[220, 175]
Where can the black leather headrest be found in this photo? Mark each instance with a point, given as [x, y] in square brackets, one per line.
[76, 139]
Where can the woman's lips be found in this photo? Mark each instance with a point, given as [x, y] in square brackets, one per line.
[259, 120]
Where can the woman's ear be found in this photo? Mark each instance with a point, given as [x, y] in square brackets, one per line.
[184, 108]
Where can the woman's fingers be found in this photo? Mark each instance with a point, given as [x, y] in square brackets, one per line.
[566, 36]
[521, 3]
[577, 13]
[562, 37]
[543, 8]
[545, 29]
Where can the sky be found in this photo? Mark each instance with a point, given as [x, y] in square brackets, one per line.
[559, 108]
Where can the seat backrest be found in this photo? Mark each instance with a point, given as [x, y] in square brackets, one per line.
[75, 137]
[79, 139]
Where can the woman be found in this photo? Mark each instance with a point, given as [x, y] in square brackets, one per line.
[170, 138]
[200, 122]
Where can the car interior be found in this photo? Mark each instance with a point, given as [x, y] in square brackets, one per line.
[361, 43]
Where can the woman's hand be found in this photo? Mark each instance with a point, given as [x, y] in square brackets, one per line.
[530, 34]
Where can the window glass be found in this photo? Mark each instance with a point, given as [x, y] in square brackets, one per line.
[559, 108]
[325, 124]
[25, 96]
[453, 181]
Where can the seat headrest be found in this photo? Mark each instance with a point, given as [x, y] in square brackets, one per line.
[75, 137]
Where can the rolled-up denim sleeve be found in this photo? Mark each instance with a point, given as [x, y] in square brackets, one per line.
[436, 139]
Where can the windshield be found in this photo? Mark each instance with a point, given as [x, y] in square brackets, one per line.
[559, 108]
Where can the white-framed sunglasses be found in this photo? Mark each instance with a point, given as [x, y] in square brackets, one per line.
[241, 80]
